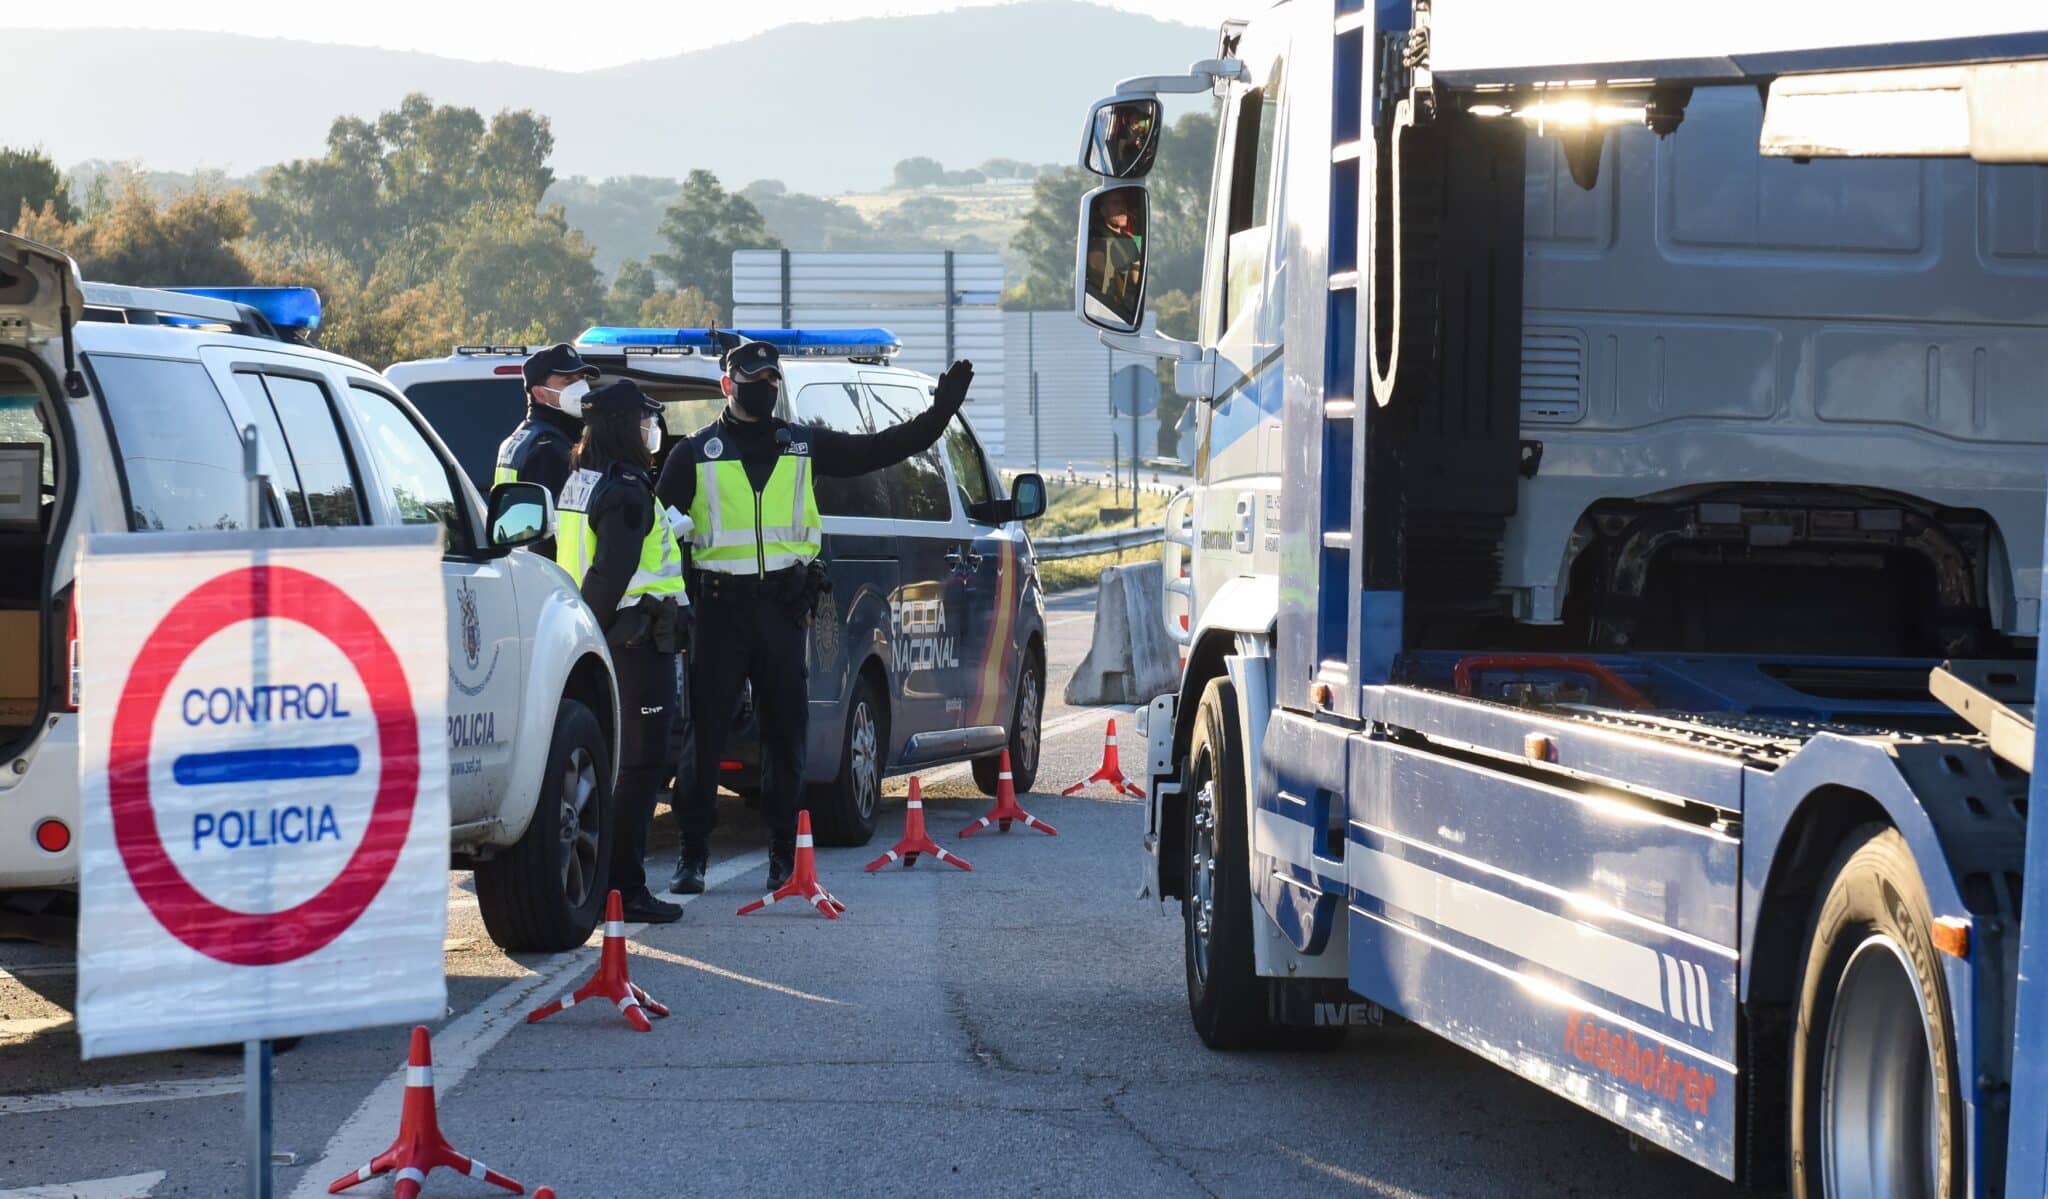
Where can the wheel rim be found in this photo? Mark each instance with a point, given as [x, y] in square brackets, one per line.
[1880, 1120]
[1028, 699]
[861, 749]
[1202, 878]
[579, 826]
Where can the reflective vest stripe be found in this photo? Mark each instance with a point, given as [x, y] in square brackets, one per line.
[731, 536]
[660, 569]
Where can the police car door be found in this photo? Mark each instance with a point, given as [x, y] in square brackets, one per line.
[927, 666]
[987, 579]
[416, 482]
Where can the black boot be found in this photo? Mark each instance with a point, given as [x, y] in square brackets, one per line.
[690, 868]
[781, 860]
[642, 906]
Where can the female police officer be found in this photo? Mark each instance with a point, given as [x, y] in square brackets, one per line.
[613, 541]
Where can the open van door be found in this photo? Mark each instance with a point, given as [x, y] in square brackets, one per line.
[41, 293]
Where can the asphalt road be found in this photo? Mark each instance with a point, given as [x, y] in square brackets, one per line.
[1021, 1028]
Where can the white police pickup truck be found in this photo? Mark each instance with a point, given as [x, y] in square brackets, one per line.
[931, 646]
[120, 409]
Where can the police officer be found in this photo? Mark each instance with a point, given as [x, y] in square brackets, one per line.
[746, 483]
[612, 539]
[557, 380]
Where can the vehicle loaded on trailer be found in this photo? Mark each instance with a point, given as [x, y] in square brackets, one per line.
[1613, 567]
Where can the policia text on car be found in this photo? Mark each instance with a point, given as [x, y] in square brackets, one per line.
[612, 538]
[746, 483]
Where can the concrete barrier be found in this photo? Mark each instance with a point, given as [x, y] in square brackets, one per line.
[1131, 659]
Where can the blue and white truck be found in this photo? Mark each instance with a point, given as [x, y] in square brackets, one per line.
[1611, 580]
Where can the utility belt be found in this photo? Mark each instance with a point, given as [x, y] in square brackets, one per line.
[662, 624]
[797, 589]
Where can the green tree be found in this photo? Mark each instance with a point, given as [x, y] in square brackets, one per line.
[140, 240]
[30, 181]
[684, 309]
[632, 286]
[702, 229]
[1045, 242]
[523, 273]
[917, 172]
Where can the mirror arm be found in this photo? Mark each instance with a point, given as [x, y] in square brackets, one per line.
[1200, 77]
[1152, 345]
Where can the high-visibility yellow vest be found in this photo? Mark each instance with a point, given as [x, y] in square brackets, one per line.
[660, 571]
[738, 532]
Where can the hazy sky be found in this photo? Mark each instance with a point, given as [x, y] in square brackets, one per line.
[568, 37]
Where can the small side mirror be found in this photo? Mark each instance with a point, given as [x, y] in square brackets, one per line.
[1123, 138]
[1027, 493]
[1109, 282]
[520, 514]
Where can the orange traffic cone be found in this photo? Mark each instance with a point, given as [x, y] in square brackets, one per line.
[611, 981]
[420, 1146]
[803, 878]
[1006, 808]
[915, 840]
[1111, 771]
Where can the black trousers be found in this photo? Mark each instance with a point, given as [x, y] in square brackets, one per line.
[743, 637]
[647, 706]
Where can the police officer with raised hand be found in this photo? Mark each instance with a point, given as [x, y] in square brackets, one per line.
[557, 380]
[615, 542]
[746, 483]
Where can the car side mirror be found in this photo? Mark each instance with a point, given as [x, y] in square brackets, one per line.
[1109, 271]
[520, 514]
[1026, 502]
[1123, 137]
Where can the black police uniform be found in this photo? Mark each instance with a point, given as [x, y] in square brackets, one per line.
[748, 628]
[644, 657]
[540, 445]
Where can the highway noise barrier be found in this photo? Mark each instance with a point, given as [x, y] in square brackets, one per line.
[803, 880]
[1111, 771]
[611, 980]
[915, 840]
[420, 1147]
[1007, 809]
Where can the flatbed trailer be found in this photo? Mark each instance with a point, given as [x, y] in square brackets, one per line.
[1762, 909]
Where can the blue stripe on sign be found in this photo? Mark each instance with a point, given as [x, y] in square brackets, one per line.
[266, 765]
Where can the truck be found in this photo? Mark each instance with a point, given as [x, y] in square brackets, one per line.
[1610, 584]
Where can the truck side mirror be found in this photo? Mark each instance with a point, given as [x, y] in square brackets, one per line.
[520, 514]
[1123, 138]
[1109, 274]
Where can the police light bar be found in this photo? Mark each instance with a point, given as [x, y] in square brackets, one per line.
[790, 343]
[288, 309]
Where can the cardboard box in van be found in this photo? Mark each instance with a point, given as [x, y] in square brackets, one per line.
[20, 672]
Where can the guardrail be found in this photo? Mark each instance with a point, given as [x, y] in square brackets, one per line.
[1080, 545]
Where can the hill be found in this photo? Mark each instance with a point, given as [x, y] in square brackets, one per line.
[822, 107]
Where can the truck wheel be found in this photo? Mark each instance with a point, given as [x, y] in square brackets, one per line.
[1023, 734]
[546, 892]
[1225, 997]
[1874, 1096]
[843, 810]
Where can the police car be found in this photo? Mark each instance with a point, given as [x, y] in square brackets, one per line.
[930, 648]
[120, 409]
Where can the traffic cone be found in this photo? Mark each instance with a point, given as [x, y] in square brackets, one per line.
[1006, 808]
[915, 840]
[611, 981]
[420, 1146]
[803, 878]
[1111, 771]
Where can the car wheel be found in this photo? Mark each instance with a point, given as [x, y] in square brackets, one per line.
[546, 892]
[1876, 1109]
[843, 810]
[1024, 734]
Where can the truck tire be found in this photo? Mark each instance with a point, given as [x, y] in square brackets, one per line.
[1225, 998]
[843, 809]
[1024, 734]
[546, 892]
[1875, 1106]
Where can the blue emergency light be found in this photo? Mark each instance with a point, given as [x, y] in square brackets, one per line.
[288, 309]
[790, 343]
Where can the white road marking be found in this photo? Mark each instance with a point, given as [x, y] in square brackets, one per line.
[462, 1043]
[1065, 724]
[128, 1186]
[662, 955]
[123, 1093]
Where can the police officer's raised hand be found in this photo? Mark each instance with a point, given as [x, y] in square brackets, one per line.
[952, 389]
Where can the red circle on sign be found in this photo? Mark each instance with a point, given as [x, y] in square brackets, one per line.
[261, 938]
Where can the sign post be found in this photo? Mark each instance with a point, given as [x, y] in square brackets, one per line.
[263, 766]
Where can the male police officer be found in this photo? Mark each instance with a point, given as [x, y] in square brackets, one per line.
[557, 379]
[746, 483]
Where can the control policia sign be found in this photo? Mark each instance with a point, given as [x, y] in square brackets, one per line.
[263, 765]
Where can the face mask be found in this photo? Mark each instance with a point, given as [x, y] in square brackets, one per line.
[570, 398]
[650, 434]
[756, 399]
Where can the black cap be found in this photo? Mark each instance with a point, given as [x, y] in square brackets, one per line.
[623, 397]
[750, 358]
[558, 359]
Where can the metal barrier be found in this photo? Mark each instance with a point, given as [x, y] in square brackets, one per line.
[1081, 545]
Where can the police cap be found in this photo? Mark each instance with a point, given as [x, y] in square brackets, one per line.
[558, 359]
[751, 358]
[623, 397]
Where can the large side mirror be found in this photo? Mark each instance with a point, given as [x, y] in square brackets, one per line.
[1123, 138]
[520, 514]
[1109, 283]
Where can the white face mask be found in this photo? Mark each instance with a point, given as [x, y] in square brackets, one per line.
[650, 433]
[570, 398]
